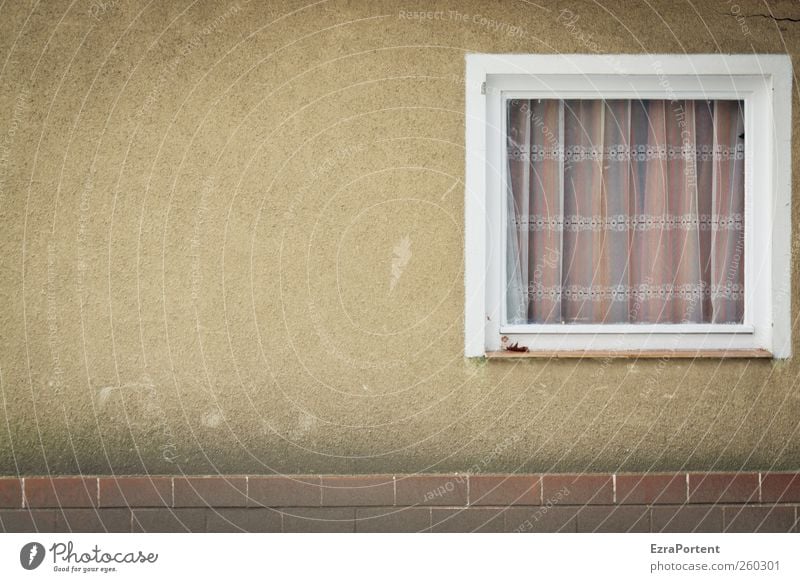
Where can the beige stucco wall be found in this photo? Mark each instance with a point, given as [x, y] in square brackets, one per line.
[199, 208]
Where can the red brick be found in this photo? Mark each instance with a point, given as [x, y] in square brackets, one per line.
[255, 520]
[467, 520]
[614, 519]
[780, 487]
[579, 489]
[28, 520]
[61, 492]
[749, 519]
[169, 520]
[319, 520]
[505, 490]
[393, 519]
[687, 519]
[649, 489]
[210, 491]
[135, 492]
[357, 491]
[432, 490]
[93, 520]
[546, 519]
[723, 487]
[10, 493]
[285, 491]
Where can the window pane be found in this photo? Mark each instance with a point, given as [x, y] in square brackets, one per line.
[625, 211]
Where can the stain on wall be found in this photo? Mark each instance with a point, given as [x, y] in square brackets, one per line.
[231, 240]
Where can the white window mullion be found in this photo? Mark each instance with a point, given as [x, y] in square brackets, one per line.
[562, 152]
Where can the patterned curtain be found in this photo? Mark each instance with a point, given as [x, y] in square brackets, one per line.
[625, 211]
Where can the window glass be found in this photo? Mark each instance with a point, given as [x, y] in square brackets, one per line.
[624, 211]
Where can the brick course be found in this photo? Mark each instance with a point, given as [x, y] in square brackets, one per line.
[659, 502]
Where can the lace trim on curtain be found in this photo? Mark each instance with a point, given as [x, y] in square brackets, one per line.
[623, 222]
[643, 292]
[621, 153]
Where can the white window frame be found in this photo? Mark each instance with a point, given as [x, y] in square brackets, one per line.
[763, 82]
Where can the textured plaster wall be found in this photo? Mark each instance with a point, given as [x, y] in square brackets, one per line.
[231, 240]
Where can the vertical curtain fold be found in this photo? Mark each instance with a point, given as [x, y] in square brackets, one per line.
[625, 211]
[728, 243]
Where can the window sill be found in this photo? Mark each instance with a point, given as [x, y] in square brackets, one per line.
[631, 354]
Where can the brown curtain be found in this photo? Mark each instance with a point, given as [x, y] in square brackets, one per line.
[625, 211]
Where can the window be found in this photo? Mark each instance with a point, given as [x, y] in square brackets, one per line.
[628, 205]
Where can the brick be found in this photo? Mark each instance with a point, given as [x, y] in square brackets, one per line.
[61, 492]
[357, 491]
[279, 491]
[505, 490]
[93, 520]
[614, 519]
[135, 492]
[744, 519]
[10, 493]
[577, 489]
[319, 520]
[432, 490]
[210, 491]
[723, 487]
[687, 519]
[393, 519]
[780, 487]
[651, 489]
[466, 520]
[546, 519]
[169, 520]
[254, 520]
[28, 520]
